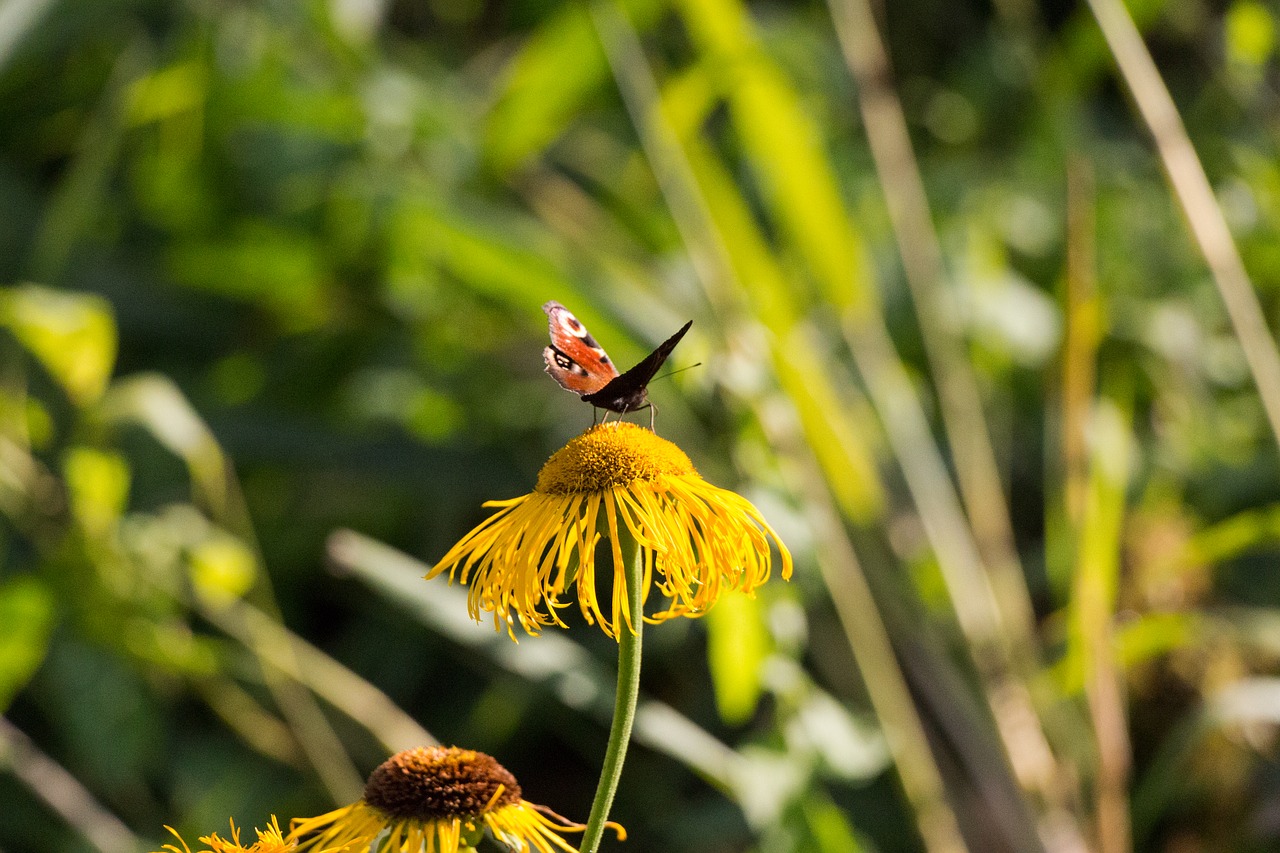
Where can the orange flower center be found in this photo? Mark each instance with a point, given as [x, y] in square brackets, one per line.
[609, 455]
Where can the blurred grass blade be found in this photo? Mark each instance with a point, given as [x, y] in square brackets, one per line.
[1083, 312]
[791, 160]
[250, 720]
[759, 96]
[555, 72]
[690, 184]
[1246, 531]
[63, 793]
[829, 827]
[73, 207]
[1093, 602]
[488, 256]
[1153, 635]
[17, 19]
[1084, 328]
[935, 306]
[783, 144]
[821, 400]
[1195, 194]
[869, 642]
[328, 679]
[717, 225]
[157, 404]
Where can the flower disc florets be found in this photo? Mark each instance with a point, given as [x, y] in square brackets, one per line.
[611, 455]
[435, 782]
[621, 483]
[438, 799]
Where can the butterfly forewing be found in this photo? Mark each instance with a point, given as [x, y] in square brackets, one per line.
[581, 365]
[628, 392]
[574, 359]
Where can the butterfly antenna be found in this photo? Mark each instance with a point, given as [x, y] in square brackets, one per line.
[678, 370]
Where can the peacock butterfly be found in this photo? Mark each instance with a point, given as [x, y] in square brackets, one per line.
[581, 365]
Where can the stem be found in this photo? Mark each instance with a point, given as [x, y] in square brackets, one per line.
[624, 707]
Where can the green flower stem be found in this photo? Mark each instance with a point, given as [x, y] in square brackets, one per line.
[624, 706]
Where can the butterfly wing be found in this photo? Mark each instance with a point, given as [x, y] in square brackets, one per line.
[574, 359]
[627, 392]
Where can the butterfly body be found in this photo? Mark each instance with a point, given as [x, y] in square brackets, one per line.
[581, 365]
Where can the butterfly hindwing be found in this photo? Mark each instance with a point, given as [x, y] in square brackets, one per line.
[574, 359]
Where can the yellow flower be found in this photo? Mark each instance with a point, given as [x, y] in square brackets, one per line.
[615, 480]
[270, 840]
[438, 800]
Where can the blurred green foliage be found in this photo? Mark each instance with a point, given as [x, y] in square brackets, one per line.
[271, 270]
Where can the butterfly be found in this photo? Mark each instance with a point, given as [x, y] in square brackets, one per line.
[581, 365]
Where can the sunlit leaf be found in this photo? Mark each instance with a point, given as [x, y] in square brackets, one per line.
[26, 620]
[167, 92]
[72, 334]
[97, 487]
[261, 263]
[737, 644]
[223, 568]
[827, 412]
[1250, 32]
[829, 827]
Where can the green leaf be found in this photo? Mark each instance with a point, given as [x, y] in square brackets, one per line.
[550, 79]
[264, 263]
[1250, 33]
[26, 620]
[223, 568]
[72, 334]
[829, 827]
[737, 645]
[97, 487]
[825, 405]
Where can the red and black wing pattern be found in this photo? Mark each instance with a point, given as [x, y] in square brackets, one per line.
[581, 365]
[574, 359]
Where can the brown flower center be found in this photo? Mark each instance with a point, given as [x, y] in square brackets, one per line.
[438, 782]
